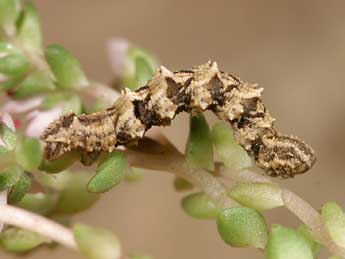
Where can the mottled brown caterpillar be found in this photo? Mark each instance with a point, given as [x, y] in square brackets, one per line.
[169, 93]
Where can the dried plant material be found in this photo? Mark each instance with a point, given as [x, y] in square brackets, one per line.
[169, 93]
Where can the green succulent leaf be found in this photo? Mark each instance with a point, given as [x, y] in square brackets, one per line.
[231, 154]
[74, 196]
[199, 149]
[242, 227]
[313, 243]
[200, 206]
[259, 196]
[139, 68]
[29, 153]
[18, 240]
[334, 219]
[8, 137]
[8, 14]
[69, 101]
[29, 29]
[134, 174]
[9, 177]
[65, 67]
[96, 243]
[286, 243]
[181, 184]
[109, 173]
[58, 165]
[12, 68]
[41, 203]
[36, 83]
[19, 190]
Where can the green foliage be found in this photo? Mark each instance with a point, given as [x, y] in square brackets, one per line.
[58, 165]
[313, 243]
[70, 101]
[19, 190]
[199, 149]
[74, 196]
[334, 219]
[139, 68]
[8, 14]
[134, 174]
[8, 137]
[13, 66]
[18, 240]
[97, 243]
[28, 153]
[231, 154]
[29, 30]
[259, 196]
[37, 82]
[41, 203]
[242, 227]
[200, 206]
[181, 184]
[9, 177]
[109, 173]
[65, 67]
[286, 243]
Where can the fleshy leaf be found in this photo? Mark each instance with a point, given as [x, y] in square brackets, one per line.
[307, 234]
[97, 243]
[29, 29]
[58, 165]
[199, 149]
[18, 240]
[139, 68]
[200, 206]
[41, 203]
[18, 191]
[12, 68]
[181, 184]
[259, 196]
[242, 227]
[9, 177]
[29, 153]
[36, 83]
[134, 174]
[286, 243]
[74, 196]
[109, 173]
[65, 67]
[231, 154]
[8, 15]
[8, 136]
[334, 219]
[71, 102]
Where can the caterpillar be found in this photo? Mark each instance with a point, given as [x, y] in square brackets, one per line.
[168, 93]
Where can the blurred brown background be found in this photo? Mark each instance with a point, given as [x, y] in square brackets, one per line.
[295, 49]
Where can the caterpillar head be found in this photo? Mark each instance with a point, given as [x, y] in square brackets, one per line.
[284, 156]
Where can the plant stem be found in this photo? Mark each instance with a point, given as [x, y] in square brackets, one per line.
[24, 219]
[295, 204]
[172, 160]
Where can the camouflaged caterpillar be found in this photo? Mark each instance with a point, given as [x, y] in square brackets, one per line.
[169, 93]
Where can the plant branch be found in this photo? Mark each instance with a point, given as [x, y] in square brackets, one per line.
[24, 219]
[295, 204]
[169, 159]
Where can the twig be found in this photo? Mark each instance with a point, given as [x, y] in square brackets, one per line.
[295, 204]
[24, 219]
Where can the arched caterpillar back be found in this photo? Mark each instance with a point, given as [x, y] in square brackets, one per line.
[169, 93]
